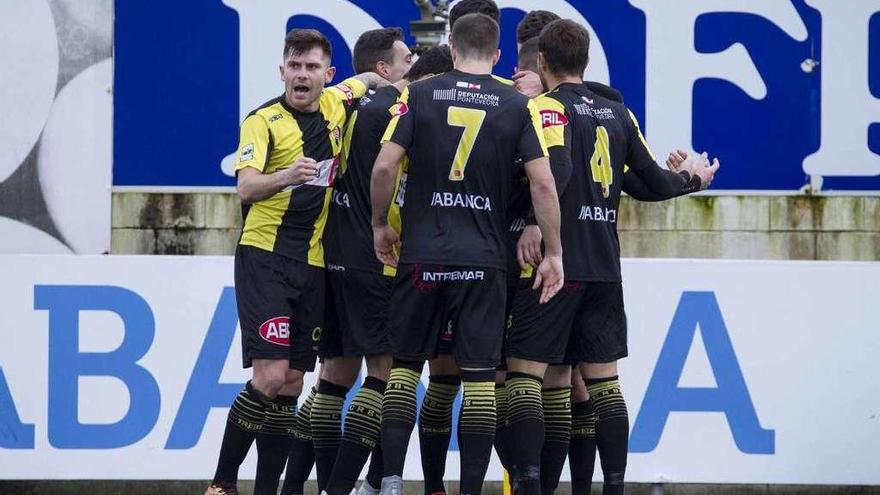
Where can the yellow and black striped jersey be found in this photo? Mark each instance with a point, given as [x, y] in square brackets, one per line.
[463, 133]
[601, 140]
[349, 239]
[273, 137]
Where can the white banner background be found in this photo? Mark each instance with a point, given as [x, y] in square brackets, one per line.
[805, 336]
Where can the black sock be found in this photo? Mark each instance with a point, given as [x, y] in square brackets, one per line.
[399, 415]
[476, 428]
[501, 440]
[612, 431]
[327, 427]
[375, 471]
[302, 452]
[525, 416]
[245, 419]
[557, 435]
[582, 452]
[360, 436]
[435, 429]
[273, 444]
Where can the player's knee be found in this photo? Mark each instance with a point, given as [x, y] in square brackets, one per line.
[533, 368]
[596, 371]
[444, 365]
[500, 377]
[379, 366]
[293, 383]
[557, 376]
[269, 383]
[270, 376]
[341, 370]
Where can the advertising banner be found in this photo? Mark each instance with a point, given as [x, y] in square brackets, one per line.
[739, 372]
[779, 90]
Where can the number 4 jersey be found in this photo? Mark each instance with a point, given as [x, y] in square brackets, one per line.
[602, 140]
[463, 132]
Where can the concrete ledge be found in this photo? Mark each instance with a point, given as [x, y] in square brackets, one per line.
[731, 213]
[411, 488]
[843, 228]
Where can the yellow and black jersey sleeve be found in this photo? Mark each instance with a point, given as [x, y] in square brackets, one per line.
[346, 92]
[254, 144]
[639, 155]
[395, 217]
[531, 142]
[553, 120]
[557, 134]
[503, 80]
[402, 126]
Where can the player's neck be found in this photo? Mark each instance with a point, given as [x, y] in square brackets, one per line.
[475, 67]
[312, 107]
[554, 81]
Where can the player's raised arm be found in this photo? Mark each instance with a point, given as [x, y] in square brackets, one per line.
[371, 80]
[655, 183]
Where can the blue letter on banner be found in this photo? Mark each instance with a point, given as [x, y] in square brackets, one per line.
[13, 433]
[67, 364]
[730, 397]
[203, 391]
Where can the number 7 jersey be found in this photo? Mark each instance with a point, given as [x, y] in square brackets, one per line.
[602, 140]
[462, 132]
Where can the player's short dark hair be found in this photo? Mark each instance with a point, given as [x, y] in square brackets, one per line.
[565, 46]
[465, 7]
[476, 36]
[299, 41]
[528, 56]
[437, 60]
[374, 46]
[532, 24]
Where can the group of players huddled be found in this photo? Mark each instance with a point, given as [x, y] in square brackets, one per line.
[430, 211]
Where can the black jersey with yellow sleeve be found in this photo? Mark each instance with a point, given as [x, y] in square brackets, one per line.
[291, 222]
[601, 138]
[349, 235]
[462, 132]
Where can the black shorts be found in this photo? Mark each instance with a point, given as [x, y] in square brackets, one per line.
[584, 323]
[463, 304]
[280, 307]
[356, 319]
[444, 347]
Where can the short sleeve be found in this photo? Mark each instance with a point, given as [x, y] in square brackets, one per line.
[553, 120]
[400, 129]
[531, 141]
[347, 91]
[253, 144]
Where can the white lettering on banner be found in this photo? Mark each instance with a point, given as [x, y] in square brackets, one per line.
[105, 334]
[261, 24]
[458, 200]
[848, 107]
[669, 99]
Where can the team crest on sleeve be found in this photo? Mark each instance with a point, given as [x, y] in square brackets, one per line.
[247, 152]
[398, 109]
[347, 91]
[550, 118]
